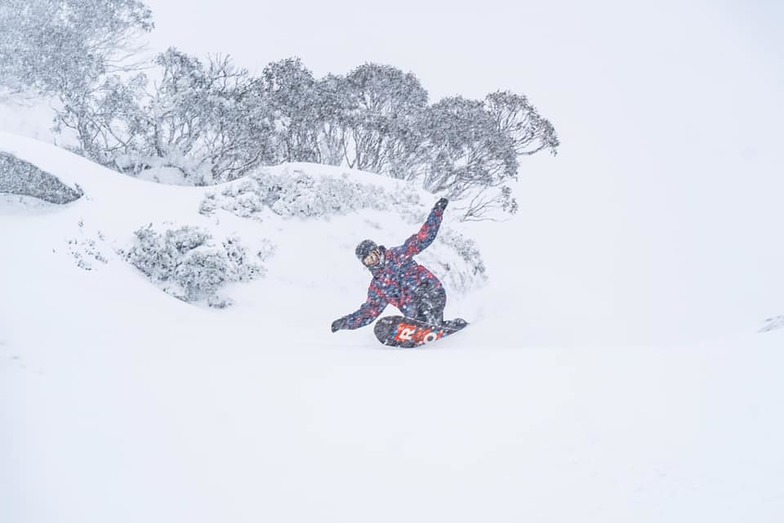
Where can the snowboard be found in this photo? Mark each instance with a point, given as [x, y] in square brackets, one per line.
[406, 333]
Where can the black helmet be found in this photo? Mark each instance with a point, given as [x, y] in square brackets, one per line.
[364, 248]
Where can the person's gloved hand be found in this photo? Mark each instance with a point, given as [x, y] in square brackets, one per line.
[441, 204]
[338, 324]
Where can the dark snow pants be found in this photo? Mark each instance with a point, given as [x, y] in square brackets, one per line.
[429, 303]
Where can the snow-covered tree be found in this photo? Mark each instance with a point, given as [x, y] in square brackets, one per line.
[472, 159]
[292, 96]
[74, 51]
[110, 123]
[209, 121]
[380, 107]
[61, 47]
[515, 116]
[366, 119]
[332, 132]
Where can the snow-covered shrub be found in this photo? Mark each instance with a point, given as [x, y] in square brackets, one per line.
[25, 179]
[189, 264]
[243, 198]
[456, 260]
[773, 324]
[298, 194]
[202, 271]
[293, 193]
[89, 246]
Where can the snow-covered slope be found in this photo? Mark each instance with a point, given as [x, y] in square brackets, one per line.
[121, 403]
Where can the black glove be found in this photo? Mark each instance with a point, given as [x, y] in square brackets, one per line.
[441, 204]
[338, 324]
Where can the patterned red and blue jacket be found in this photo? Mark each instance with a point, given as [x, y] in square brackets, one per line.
[396, 280]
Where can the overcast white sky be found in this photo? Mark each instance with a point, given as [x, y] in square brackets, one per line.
[668, 185]
[468, 48]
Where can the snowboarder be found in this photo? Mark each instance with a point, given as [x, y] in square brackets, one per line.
[401, 281]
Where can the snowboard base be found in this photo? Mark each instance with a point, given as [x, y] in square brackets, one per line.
[398, 331]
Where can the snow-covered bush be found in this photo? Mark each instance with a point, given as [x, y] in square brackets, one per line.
[189, 264]
[464, 269]
[293, 193]
[456, 260]
[89, 246]
[774, 323]
[25, 179]
[243, 198]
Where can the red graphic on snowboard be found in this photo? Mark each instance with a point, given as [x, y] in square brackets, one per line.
[397, 331]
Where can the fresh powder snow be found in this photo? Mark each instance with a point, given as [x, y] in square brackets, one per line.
[121, 402]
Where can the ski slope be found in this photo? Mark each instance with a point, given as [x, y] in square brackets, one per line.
[121, 403]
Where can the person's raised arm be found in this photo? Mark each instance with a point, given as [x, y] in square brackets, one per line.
[427, 233]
